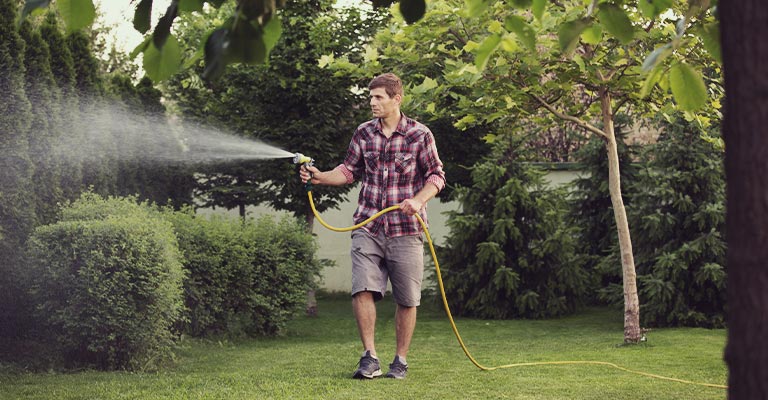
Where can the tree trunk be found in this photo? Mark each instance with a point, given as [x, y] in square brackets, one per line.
[311, 308]
[632, 333]
[745, 50]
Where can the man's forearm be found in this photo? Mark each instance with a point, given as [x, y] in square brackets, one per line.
[333, 177]
[426, 193]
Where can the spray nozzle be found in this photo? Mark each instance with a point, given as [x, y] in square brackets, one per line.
[299, 158]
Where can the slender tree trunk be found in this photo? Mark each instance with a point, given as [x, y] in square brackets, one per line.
[311, 308]
[632, 333]
[745, 51]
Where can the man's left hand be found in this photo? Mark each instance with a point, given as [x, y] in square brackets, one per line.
[411, 206]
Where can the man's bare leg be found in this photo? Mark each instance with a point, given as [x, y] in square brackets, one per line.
[364, 309]
[405, 323]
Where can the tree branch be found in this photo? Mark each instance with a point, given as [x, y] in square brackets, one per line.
[577, 121]
[457, 36]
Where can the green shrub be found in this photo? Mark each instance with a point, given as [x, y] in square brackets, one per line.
[245, 277]
[509, 253]
[679, 230]
[108, 287]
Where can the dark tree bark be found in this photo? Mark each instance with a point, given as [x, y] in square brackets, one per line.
[744, 27]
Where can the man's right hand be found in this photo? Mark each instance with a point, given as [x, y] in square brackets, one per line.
[308, 173]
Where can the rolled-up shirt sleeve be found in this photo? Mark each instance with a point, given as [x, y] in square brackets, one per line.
[353, 166]
[431, 164]
[346, 172]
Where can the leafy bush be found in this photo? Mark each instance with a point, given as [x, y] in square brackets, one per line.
[107, 283]
[509, 253]
[245, 277]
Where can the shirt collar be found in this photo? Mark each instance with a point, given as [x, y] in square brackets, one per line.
[402, 126]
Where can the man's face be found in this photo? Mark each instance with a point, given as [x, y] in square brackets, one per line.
[382, 105]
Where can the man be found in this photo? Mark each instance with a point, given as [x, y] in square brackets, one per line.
[396, 159]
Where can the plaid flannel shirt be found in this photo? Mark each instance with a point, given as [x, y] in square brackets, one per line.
[392, 170]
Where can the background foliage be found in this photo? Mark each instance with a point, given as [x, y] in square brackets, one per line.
[57, 101]
[289, 102]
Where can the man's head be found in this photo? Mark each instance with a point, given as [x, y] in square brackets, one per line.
[386, 95]
[389, 82]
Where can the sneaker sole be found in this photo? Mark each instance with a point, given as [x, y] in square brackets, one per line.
[360, 375]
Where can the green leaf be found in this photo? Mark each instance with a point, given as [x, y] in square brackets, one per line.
[191, 5]
[616, 22]
[77, 14]
[163, 27]
[140, 48]
[579, 60]
[412, 10]
[656, 57]
[486, 49]
[508, 43]
[688, 87]
[568, 35]
[215, 54]
[652, 8]
[538, 8]
[650, 81]
[142, 18]
[425, 86]
[471, 45]
[710, 37]
[522, 29]
[32, 5]
[521, 3]
[382, 3]
[194, 59]
[273, 29]
[475, 8]
[593, 35]
[248, 43]
[162, 64]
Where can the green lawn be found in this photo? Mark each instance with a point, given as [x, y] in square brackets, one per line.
[316, 357]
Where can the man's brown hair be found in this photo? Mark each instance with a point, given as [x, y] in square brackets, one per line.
[390, 82]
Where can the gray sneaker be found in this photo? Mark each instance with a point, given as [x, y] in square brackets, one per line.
[369, 367]
[397, 369]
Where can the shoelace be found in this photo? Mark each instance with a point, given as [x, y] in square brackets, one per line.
[398, 367]
[366, 362]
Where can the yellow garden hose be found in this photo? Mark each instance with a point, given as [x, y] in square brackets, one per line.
[453, 324]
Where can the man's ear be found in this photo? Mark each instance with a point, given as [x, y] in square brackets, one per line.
[399, 99]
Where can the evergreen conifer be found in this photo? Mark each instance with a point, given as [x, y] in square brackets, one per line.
[69, 129]
[17, 200]
[101, 170]
[510, 254]
[678, 220]
[44, 94]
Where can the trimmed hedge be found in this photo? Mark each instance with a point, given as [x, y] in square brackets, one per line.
[245, 277]
[111, 280]
[107, 287]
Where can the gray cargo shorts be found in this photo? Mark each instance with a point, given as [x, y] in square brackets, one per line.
[378, 258]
